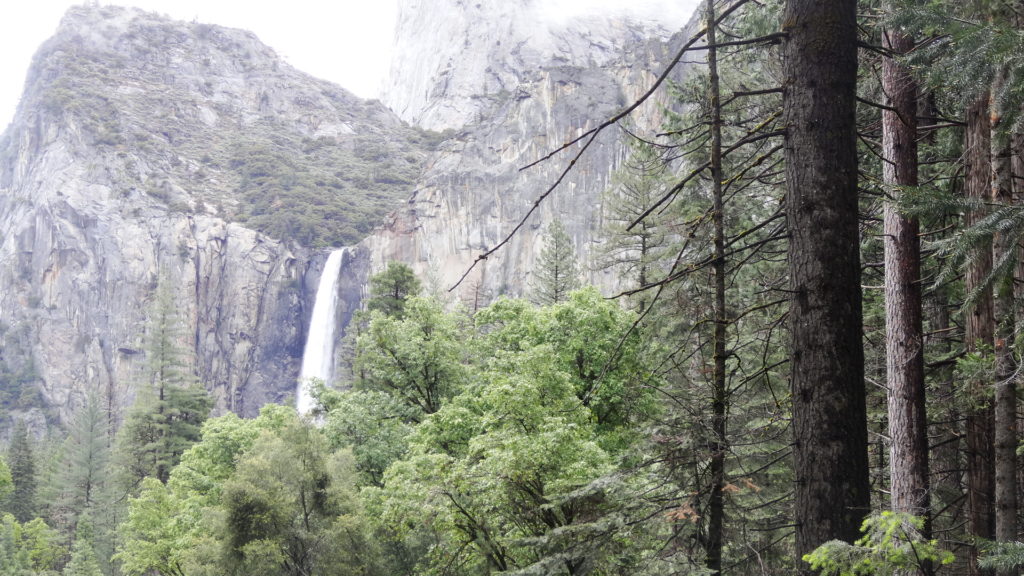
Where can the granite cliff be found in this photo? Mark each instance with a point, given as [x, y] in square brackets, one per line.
[148, 152]
[518, 86]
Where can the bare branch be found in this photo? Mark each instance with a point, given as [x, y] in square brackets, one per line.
[588, 138]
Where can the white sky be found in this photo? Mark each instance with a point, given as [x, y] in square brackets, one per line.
[345, 41]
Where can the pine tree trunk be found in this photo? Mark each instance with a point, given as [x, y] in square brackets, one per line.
[831, 495]
[716, 505]
[903, 327]
[1003, 307]
[946, 430]
[946, 458]
[979, 425]
[1017, 169]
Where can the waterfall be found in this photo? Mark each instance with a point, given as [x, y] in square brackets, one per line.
[318, 357]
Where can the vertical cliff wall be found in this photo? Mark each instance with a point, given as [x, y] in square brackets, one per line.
[513, 87]
[149, 152]
[146, 152]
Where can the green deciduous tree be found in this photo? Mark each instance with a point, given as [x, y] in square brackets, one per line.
[150, 535]
[514, 472]
[175, 529]
[497, 467]
[590, 340]
[416, 357]
[375, 425]
[28, 549]
[260, 496]
[290, 509]
[6, 482]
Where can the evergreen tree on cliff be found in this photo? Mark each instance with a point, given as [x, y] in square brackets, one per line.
[22, 500]
[556, 273]
[391, 288]
[172, 406]
[827, 358]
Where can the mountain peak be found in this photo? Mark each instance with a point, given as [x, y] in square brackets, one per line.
[187, 110]
[150, 151]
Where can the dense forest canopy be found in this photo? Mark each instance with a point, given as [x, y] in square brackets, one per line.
[812, 368]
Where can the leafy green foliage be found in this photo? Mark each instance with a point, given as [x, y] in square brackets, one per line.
[591, 339]
[416, 357]
[376, 425]
[6, 483]
[173, 528]
[150, 535]
[512, 470]
[498, 465]
[28, 549]
[261, 496]
[287, 505]
[892, 544]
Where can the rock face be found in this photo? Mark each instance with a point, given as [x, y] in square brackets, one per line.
[456, 61]
[136, 158]
[516, 88]
[149, 153]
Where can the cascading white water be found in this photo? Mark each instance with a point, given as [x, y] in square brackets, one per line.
[318, 357]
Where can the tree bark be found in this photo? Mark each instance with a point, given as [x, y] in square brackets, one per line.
[903, 327]
[979, 425]
[1017, 169]
[831, 495]
[1003, 308]
[719, 403]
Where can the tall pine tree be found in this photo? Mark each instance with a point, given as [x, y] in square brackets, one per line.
[22, 462]
[556, 272]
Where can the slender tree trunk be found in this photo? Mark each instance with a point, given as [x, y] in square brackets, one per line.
[1003, 307]
[979, 425]
[946, 458]
[903, 327]
[716, 508]
[1017, 169]
[831, 495]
